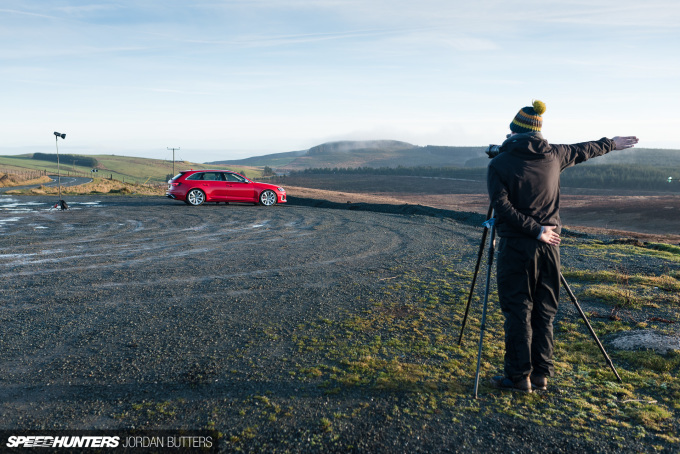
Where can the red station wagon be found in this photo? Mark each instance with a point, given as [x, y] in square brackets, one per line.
[197, 186]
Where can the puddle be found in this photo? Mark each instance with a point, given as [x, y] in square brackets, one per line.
[94, 204]
[6, 220]
[22, 206]
[14, 256]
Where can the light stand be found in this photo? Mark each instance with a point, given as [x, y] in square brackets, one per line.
[61, 204]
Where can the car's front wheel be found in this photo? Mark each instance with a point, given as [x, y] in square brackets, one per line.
[195, 197]
[268, 198]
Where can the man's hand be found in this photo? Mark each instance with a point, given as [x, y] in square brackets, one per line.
[549, 235]
[624, 142]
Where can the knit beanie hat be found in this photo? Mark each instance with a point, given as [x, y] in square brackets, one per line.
[528, 119]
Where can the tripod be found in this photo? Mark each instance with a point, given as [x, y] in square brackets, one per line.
[489, 226]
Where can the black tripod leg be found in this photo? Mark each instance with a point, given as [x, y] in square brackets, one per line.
[482, 244]
[486, 300]
[590, 328]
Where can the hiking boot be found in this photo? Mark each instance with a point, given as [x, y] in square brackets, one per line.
[539, 382]
[522, 385]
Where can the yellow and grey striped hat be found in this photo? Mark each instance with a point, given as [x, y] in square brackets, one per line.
[528, 119]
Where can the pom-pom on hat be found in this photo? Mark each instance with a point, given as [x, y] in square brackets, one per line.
[529, 119]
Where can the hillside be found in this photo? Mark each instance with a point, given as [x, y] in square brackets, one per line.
[271, 160]
[392, 153]
[373, 153]
[122, 168]
[653, 157]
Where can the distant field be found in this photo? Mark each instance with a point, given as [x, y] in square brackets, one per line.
[646, 212]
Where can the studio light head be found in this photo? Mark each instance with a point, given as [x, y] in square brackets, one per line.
[63, 136]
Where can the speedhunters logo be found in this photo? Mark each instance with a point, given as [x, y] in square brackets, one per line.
[109, 441]
[46, 441]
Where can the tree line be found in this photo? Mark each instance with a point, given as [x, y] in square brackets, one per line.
[68, 159]
[622, 176]
[618, 176]
[420, 171]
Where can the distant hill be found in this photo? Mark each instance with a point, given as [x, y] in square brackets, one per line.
[653, 157]
[271, 160]
[372, 153]
[392, 153]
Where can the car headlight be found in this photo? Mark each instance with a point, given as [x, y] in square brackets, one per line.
[281, 189]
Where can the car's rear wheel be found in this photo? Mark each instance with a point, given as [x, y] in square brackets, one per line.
[268, 198]
[195, 197]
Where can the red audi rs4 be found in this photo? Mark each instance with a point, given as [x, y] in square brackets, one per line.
[196, 187]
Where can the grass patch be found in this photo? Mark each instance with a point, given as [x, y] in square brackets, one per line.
[405, 342]
[664, 247]
[20, 179]
[625, 290]
[97, 186]
[616, 252]
[650, 360]
[121, 168]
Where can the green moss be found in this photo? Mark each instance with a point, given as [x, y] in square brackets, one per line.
[650, 415]
[664, 247]
[616, 295]
[404, 342]
[650, 360]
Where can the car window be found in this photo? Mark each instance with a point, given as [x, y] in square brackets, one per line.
[234, 178]
[211, 176]
[206, 176]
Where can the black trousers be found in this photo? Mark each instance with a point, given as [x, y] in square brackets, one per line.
[528, 277]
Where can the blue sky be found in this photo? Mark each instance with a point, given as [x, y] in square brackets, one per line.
[236, 78]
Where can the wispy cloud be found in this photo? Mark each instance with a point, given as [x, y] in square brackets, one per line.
[81, 11]
[264, 40]
[26, 13]
[292, 69]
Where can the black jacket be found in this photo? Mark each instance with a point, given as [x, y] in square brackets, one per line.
[524, 181]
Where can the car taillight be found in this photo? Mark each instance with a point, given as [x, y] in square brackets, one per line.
[175, 184]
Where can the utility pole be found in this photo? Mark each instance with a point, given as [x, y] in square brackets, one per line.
[173, 159]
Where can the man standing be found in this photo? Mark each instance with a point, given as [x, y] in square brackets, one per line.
[524, 188]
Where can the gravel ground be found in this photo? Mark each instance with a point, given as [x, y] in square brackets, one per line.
[144, 313]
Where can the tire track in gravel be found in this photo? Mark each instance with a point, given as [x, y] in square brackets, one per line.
[142, 293]
[131, 243]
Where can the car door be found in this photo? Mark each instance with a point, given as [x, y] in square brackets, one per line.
[213, 185]
[239, 189]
